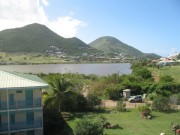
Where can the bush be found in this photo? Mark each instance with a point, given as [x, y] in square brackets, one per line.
[161, 104]
[166, 78]
[145, 110]
[89, 125]
[92, 101]
[170, 87]
[142, 72]
[152, 96]
[121, 106]
[112, 93]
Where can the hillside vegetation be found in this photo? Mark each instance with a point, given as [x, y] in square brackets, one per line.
[173, 71]
[38, 38]
[112, 45]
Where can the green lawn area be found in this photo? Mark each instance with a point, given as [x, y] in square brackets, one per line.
[132, 123]
[35, 58]
[174, 71]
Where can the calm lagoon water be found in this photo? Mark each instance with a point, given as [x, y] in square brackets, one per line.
[98, 69]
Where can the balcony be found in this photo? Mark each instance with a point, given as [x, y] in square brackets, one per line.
[25, 104]
[21, 125]
[21, 104]
[26, 125]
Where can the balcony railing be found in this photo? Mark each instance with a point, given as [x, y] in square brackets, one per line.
[3, 127]
[26, 125]
[21, 104]
[21, 125]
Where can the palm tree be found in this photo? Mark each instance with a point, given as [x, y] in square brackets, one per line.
[59, 87]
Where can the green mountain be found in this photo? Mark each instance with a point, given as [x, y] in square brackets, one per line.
[111, 45]
[38, 38]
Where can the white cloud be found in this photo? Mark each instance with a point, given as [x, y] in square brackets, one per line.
[66, 26]
[45, 2]
[18, 13]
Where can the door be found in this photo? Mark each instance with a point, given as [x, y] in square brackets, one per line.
[29, 98]
[11, 101]
[30, 119]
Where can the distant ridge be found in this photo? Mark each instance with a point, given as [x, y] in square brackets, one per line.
[112, 45]
[152, 56]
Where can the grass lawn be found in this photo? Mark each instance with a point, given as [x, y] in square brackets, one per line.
[34, 58]
[174, 71]
[132, 123]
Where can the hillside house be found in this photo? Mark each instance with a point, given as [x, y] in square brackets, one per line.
[21, 104]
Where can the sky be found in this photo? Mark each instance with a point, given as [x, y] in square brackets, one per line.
[151, 26]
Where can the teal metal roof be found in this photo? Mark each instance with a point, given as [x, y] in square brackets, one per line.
[12, 80]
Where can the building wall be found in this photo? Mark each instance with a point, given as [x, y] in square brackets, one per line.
[20, 116]
[37, 93]
[4, 118]
[36, 132]
[20, 113]
[3, 96]
[19, 96]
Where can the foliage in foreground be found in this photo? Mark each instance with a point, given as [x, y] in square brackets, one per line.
[131, 122]
[89, 125]
[53, 121]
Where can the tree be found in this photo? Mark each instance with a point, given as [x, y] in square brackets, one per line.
[142, 72]
[53, 121]
[59, 87]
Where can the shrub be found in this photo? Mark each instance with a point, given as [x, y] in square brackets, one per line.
[121, 106]
[112, 93]
[142, 72]
[152, 96]
[145, 110]
[92, 101]
[161, 104]
[166, 78]
[89, 125]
